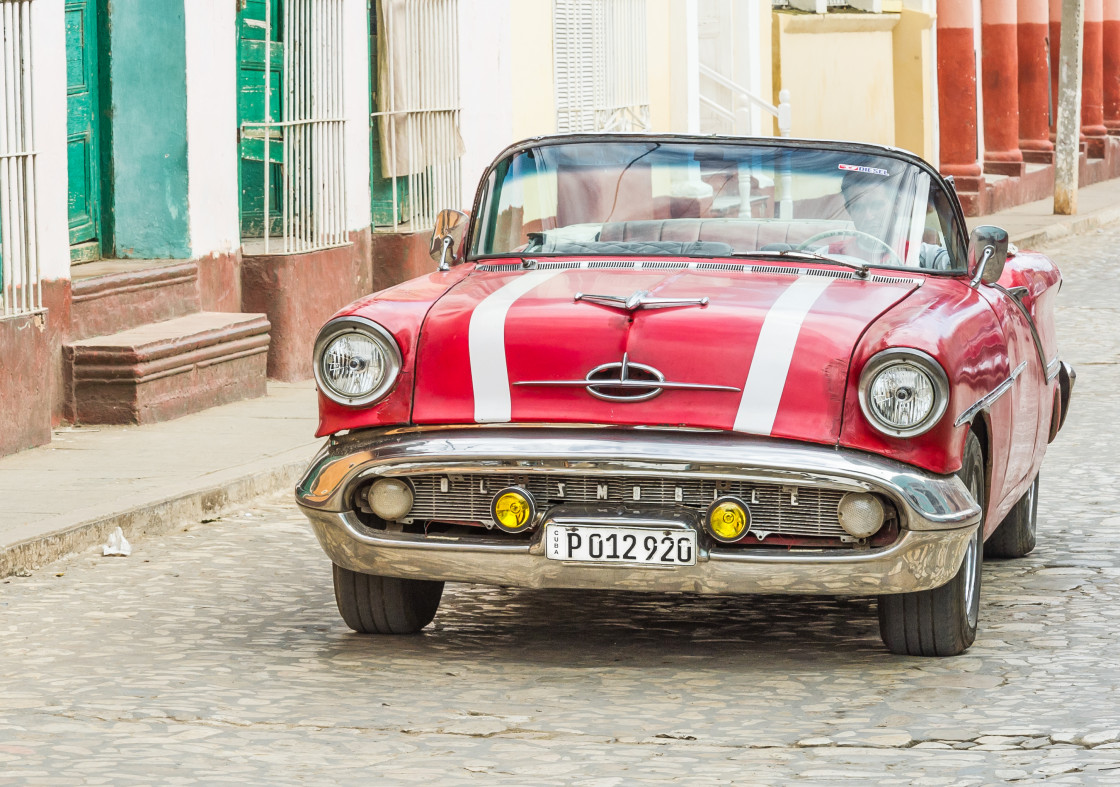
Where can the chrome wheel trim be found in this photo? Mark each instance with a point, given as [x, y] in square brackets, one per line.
[971, 593]
[1032, 511]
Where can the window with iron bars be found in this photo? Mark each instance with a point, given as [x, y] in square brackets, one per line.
[20, 284]
[416, 149]
[599, 47]
[292, 125]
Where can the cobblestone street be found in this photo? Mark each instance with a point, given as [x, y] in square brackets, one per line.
[216, 654]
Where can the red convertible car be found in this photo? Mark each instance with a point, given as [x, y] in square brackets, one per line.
[693, 364]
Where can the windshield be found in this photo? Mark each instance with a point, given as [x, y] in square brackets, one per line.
[627, 197]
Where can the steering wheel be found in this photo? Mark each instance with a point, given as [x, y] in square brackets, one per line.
[854, 233]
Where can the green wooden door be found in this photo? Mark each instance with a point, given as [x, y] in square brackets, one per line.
[83, 137]
[253, 52]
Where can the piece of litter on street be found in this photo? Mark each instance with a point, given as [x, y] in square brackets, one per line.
[117, 545]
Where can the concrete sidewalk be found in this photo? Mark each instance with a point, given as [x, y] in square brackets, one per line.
[71, 494]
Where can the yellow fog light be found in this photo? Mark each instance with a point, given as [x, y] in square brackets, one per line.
[513, 510]
[390, 498]
[729, 519]
[860, 514]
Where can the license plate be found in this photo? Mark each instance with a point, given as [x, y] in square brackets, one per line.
[639, 546]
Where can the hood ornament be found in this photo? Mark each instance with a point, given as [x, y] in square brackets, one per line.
[627, 382]
[642, 299]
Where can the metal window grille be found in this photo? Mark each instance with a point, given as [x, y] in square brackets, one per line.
[600, 64]
[308, 141]
[20, 286]
[416, 117]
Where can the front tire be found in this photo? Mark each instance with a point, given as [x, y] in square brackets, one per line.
[942, 621]
[1016, 534]
[373, 604]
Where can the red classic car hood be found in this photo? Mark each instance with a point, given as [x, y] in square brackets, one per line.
[768, 352]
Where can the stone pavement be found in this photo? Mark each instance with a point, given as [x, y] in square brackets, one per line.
[68, 495]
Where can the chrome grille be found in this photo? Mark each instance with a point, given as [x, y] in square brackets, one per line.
[784, 510]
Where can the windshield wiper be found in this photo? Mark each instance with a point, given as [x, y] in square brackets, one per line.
[795, 254]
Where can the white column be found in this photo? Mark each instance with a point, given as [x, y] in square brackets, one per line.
[212, 155]
[48, 72]
[356, 100]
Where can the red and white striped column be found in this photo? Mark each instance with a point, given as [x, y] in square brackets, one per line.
[999, 61]
[1092, 80]
[1034, 81]
[956, 94]
[1110, 32]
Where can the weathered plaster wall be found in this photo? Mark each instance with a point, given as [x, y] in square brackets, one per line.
[150, 195]
[211, 81]
[839, 69]
[25, 381]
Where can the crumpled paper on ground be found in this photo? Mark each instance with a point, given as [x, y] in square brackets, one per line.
[117, 545]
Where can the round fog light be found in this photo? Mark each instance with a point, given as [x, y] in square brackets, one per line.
[390, 498]
[513, 510]
[728, 520]
[860, 514]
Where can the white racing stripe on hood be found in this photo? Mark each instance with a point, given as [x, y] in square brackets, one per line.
[487, 344]
[766, 379]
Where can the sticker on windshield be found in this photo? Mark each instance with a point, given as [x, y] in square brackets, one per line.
[869, 170]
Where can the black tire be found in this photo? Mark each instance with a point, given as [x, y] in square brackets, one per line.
[942, 621]
[385, 605]
[1016, 534]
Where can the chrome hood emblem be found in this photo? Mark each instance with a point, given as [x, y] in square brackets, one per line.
[638, 300]
[627, 382]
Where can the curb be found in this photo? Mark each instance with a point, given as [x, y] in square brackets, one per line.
[150, 519]
[1060, 230]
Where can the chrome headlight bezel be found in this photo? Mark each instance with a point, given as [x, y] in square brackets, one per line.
[382, 340]
[923, 362]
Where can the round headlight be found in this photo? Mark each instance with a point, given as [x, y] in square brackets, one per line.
[356, 361]
[860, 514]
[903, 392]
[390, 498]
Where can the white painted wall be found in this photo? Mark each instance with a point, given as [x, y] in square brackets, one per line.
[211, 32]
[48, 72]
[356, 97]
[485, 85]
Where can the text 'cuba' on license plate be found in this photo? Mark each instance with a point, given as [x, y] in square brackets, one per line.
[640, 546]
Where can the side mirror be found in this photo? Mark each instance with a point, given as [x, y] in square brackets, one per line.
[987, 254]
[447, 237]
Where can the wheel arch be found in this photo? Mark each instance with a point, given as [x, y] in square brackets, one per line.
[981, 426]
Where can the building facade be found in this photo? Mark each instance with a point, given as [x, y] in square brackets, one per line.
[189, 188]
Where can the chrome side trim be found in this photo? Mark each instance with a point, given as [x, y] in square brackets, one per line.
[1052, 369]
[925, 501]
[986, 401]
[916, 561]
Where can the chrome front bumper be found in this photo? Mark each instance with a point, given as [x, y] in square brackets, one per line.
[938, 515]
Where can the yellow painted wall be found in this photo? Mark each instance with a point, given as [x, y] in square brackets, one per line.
[534, 89]
[913, 84]
[839, 69]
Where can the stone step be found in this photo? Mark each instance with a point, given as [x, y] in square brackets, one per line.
[163, 370]
[115, 295]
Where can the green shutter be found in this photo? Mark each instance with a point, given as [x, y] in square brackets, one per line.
[253, 50]
[82, 127]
